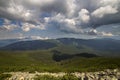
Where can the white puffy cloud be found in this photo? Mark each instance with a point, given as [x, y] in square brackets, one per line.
[27, 27]
[114, 3]
[102, 11]
[8, 27]
[97, 33]
[84, 15]
[38, 38]
[107, 34]
[16, 10]
[21, 36]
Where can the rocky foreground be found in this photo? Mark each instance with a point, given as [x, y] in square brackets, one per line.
[101, 75]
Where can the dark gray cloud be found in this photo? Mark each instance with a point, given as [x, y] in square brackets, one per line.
[58, 6]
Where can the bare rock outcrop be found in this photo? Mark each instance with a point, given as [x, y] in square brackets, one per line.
[100, 75]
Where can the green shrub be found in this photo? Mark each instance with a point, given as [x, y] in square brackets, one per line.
[4, 76]
[69, 77]
[65, 77]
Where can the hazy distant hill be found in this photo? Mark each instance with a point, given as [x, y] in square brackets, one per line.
[68, 45]
[29, 45]
[97, 44]
[8, 41]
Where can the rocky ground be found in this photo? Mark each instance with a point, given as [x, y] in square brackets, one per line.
[101, 75]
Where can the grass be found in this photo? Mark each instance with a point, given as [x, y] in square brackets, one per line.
[5, 76]
[41, 60]
[65, 77]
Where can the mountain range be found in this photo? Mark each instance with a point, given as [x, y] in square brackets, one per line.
[98, 46]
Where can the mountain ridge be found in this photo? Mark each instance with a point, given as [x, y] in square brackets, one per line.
[99, 45]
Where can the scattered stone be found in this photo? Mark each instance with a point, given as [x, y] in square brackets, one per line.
[101, 75]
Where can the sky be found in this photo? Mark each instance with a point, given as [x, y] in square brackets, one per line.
[46, 19]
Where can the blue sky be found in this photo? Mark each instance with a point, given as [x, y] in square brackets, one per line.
[44, 19]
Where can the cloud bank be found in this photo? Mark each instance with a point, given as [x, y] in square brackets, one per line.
[70, 16]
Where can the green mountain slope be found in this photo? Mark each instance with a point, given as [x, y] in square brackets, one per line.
[42, 60]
